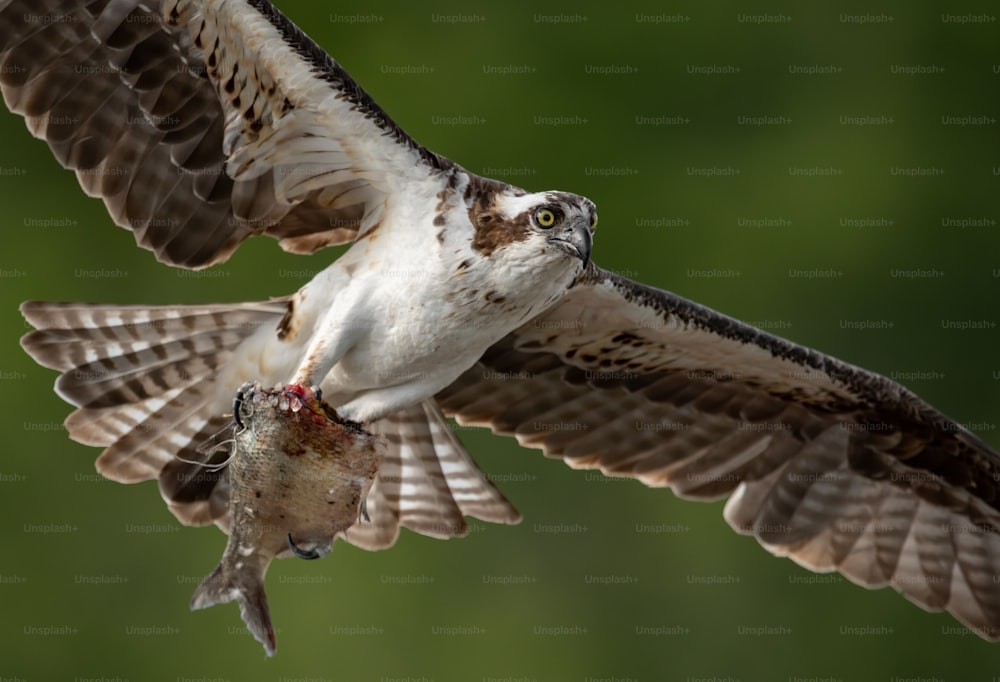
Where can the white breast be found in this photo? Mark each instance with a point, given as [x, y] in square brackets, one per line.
[416, 304]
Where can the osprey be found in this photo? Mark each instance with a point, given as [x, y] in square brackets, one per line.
[460, 297]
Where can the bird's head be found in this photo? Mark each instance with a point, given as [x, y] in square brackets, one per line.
[555, 226]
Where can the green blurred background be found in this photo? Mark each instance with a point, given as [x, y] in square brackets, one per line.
[610, 102]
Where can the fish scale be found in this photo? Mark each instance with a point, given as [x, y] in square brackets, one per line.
[298, 477]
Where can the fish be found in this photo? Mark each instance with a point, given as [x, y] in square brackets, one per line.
[298, 476]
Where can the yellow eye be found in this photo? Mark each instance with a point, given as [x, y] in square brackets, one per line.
[593, 223]
[545, 218]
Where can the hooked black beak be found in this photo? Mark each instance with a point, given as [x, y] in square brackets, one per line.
[575, 239]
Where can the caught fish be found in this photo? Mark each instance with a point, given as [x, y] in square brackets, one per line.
[298, 476]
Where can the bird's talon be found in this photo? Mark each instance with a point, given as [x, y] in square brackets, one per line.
[238, 402]
[301, 553]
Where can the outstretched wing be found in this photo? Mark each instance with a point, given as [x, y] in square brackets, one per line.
[835, 467]
[201, 126]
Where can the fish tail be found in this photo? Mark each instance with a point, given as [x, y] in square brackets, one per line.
[247, 588]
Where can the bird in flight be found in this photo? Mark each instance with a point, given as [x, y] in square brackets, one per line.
[201, 124]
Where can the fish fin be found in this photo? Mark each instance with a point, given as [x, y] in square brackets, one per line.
[222, 586]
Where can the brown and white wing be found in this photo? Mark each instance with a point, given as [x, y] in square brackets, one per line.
[837, 468]
[203, 123]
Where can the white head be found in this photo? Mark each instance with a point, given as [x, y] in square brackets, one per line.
[556, 226]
